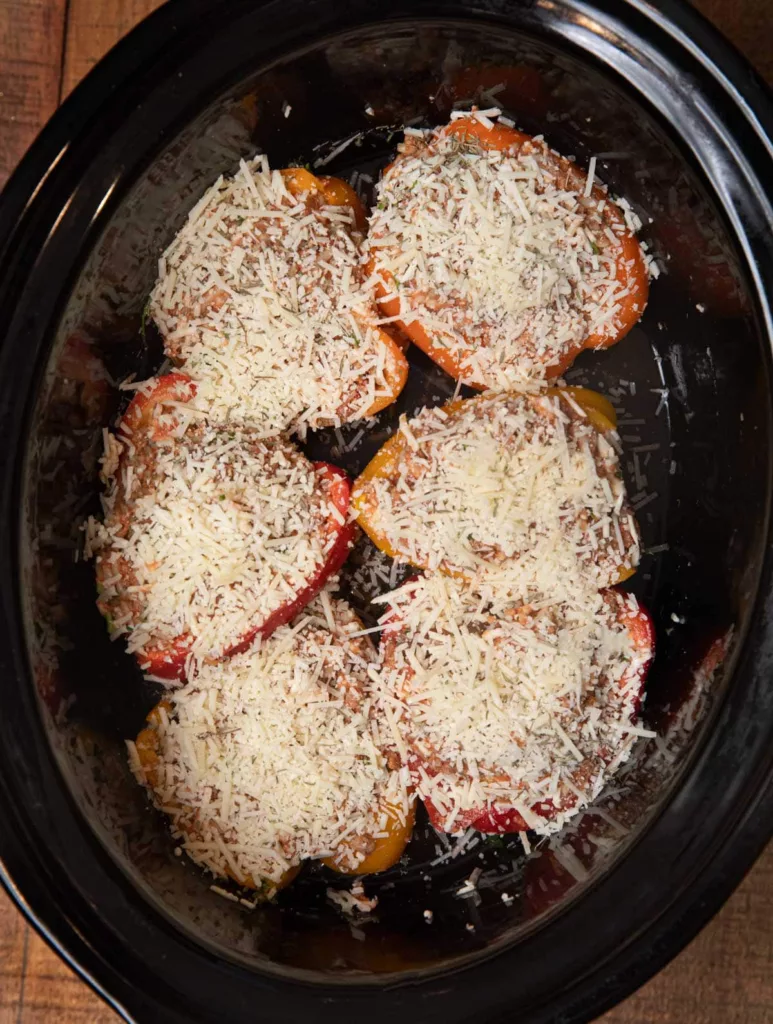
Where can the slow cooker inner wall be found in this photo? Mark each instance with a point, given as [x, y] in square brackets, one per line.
[689, 386]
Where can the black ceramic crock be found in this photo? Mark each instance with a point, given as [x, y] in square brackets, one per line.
[681, 126]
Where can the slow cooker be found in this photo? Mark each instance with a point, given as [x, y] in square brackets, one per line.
[552, 931]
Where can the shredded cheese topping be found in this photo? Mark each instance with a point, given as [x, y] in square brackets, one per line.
[525, 710]
[274, 757]
[263, 299]
[512, 686]
[523, 486]
[503, 261]
[205, 535]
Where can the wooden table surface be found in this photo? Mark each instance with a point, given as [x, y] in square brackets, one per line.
[725, 976]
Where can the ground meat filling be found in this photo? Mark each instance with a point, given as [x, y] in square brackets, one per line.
[522, 712]
[205, 535]
[273, 757]
[518, 485]
[263, 299]
[504, 262]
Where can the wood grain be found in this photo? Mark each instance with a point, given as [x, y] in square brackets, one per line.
[53, 994]
[725, 976]
[31, 44]
[14, 943]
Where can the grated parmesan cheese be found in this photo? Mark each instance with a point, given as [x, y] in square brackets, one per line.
[262, 297]
[508, 260]
[352, 902]
[205, 536]
[269, 759]
[523, 486]
[517, 711]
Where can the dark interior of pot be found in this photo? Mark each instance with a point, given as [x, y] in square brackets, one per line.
[689, 386]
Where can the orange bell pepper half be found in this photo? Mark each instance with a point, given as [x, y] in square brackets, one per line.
[631, 270]
[386, 464]
[147, 747]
